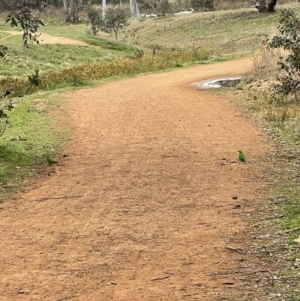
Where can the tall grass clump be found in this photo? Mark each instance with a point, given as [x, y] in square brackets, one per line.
[265, 61]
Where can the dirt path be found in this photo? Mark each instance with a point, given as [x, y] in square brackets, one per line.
[143, 206]
[46, 38]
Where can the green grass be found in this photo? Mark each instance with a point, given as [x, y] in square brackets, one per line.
[237, 31]
[3, 34]
[80, 32]
[21, 61]
[33, 133]
[280, 116]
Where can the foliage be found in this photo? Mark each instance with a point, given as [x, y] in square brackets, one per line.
[262, 6]
[115, 19]
[34, 79]
[289, 40]
[5, 104]
[29, 23]
[7, 97]
[94, 19]
[3, 50]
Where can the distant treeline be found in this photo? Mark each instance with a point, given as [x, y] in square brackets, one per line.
[217, 4]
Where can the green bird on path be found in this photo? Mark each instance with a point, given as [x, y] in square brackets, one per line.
[242, 156]
[50, 161]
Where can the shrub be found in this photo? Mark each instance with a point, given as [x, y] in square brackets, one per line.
[289, 40]
[3, 50]
[29, 23]
[115, 19]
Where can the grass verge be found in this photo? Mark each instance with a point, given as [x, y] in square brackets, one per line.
[279, 220]
[33, 134]
[80, 75]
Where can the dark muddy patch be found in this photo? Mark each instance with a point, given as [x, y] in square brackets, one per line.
[226, 82]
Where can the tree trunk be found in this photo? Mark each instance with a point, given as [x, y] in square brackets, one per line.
[71, 11]
[134, 8]
[271, 6]
[262, 7]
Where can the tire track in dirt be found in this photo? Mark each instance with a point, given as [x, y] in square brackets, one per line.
[142, 207]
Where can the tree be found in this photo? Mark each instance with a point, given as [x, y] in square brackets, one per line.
[289, 40]
[262, 6]
[71, 8]
[29, 23]
[115, 19]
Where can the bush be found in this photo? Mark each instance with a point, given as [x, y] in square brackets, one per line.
[29, 23]
[289, 40]
[3, 50]
[115, 19]
[94, 19]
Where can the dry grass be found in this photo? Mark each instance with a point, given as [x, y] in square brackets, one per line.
[234, 4]
[265, 61]
[274, 109]
[262, 100]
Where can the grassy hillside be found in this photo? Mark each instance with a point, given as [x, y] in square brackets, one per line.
[226, 34]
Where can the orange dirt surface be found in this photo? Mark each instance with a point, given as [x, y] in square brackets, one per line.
[46, 38]
[146, 199]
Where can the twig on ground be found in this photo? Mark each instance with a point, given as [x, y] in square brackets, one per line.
[58, 198]
[235, 250]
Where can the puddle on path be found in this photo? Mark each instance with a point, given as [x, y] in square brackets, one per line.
[226, 82]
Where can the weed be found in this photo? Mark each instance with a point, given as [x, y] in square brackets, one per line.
[289, 78]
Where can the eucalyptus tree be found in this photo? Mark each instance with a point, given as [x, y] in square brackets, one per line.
[71, 9]
[263, 6]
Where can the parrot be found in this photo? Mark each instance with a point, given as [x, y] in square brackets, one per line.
[242, 156]
[50, 161]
